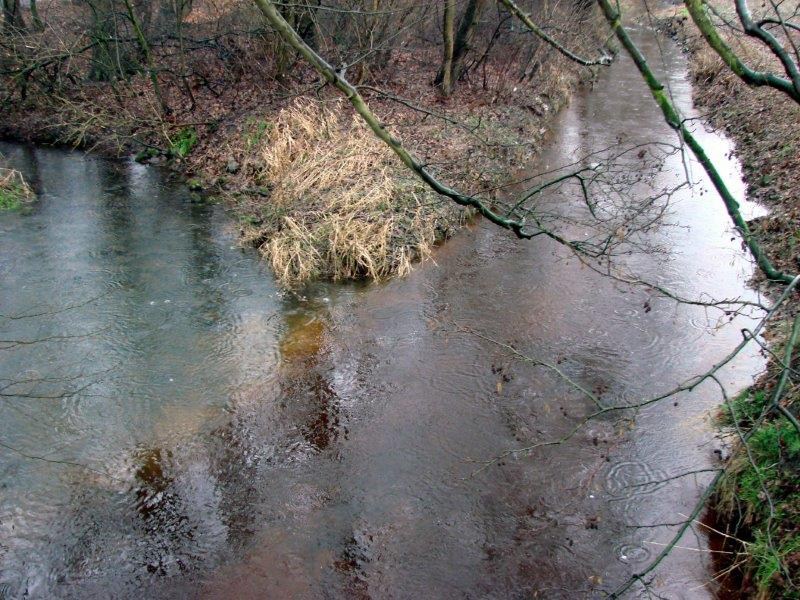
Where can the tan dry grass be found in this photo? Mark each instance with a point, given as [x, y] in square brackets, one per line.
[341, 206]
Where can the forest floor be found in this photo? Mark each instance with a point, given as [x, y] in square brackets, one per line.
[758, 502]
[310, 187]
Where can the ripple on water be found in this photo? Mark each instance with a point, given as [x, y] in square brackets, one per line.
[630, 479]
[625, 314]
[209, 398]
[464, 379]
[632, 554]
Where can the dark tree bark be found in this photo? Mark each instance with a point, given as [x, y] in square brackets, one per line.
[162, 17]
[111, 59]
[448, 26]
[37, 21]
[12, 15]
[466, 31]
[463, 42]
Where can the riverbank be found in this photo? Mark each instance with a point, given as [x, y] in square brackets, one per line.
[758, 501]
[236, 132]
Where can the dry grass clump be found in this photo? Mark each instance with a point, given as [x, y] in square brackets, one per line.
[706, 65]
[340, 205]
[14, 190]
[708, 69]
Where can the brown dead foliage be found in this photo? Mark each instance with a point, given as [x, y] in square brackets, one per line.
[340, 205]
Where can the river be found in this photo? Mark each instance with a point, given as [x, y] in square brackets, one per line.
[182, 428]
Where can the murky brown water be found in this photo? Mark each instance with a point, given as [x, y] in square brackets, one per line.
[243, 444]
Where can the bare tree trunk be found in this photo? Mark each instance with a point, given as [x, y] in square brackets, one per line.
[462, 43]
[448, 29]
[111, 59]
[161, 17]
[12, 15]
[180, 11]
[148, 56]
[37, 22]
[466, 31]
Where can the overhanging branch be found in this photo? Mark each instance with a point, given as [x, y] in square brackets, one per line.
[291, 37]
[674, 120]
[791, 88]
[540, 33]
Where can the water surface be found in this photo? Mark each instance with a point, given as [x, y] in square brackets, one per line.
[197, 433]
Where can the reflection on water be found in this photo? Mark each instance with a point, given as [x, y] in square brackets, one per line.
[200, 434]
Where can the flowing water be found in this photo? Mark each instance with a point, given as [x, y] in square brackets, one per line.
[180, 428]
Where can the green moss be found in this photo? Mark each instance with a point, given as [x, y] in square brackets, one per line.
[9, 200]
[775, 442]
[13, 194]
[146, 154]
[770, 466]
[184, 142]
[769, 556]
[786, 151]
[256, 131]
[250, 220]
[763, 484]
[194, 184]
[744, 409]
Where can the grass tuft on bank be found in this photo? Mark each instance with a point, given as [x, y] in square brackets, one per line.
[14, 191]
[336, 203]
[760, 494]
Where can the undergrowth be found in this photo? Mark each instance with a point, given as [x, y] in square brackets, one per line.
[183, 143]
[336, 202]
[761, 494]
[14, 191]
